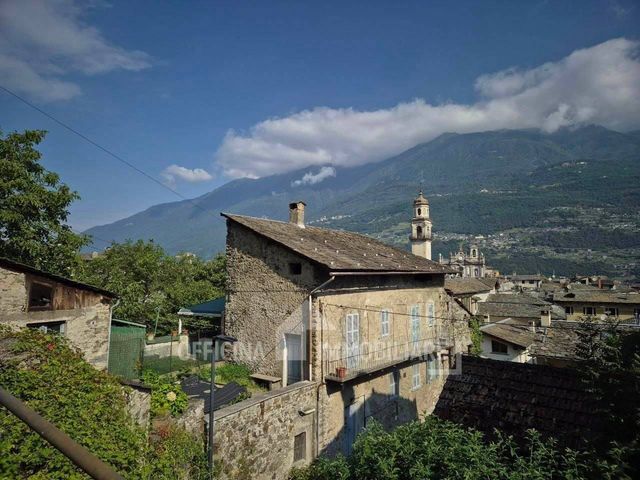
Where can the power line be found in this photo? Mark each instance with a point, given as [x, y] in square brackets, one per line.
[104, 149]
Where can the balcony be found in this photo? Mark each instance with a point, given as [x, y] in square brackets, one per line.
[341, 366]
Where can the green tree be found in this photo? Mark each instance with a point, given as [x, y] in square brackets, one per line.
[151, 283]
[34, 206]
[610, 366]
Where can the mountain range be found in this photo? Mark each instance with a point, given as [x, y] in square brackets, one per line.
[565, 201]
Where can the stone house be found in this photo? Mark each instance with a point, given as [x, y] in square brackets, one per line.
[35, 299]
[470, 291]
[506, 341]
[368, 326]
[604, 304]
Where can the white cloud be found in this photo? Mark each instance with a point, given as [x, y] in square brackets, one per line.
[192, 175]
[313, 178]
[43, 42]
[598, 85]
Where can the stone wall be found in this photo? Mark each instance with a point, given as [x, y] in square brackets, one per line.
[138, 404]
[176, 348]
[263, 296]
[86, 314]
[255, 438]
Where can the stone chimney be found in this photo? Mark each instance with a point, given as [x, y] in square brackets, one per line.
[545, 317]
[296, 213]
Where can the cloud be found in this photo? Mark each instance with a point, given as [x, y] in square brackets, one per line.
[600, 84]
[313, 178]
[175, 172]
[42, 43]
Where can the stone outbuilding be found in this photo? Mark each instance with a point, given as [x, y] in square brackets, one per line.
[36, 299]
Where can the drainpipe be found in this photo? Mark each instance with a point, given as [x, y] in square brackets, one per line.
[321, 380]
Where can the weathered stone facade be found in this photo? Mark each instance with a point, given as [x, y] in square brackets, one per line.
[256, 438]
[85, 313]
[261, 287]
[267, 300]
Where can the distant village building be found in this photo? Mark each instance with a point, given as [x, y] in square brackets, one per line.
[527, 282]
[469, 265]
[366, 329]
[601, 304]
[35, 299]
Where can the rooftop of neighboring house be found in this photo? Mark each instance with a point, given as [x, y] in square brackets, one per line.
[338, 250]
[517, 305]
[525, 278]
[21, 267]
[466, 286]
[561, 339]
[519, 335]
[597, 296]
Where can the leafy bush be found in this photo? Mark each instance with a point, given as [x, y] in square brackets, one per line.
[177, 455]
[49, 375]
[166, 397]
[232, 372]
[438, 449]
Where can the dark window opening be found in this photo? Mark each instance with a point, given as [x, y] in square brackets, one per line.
[568, 310]
[300, 447]
[419, 232]
[419, 212]
[499, 347]
[295, 268]
[49, 327]
[40, 297]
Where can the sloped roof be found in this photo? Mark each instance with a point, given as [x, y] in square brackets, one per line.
[465, 286]
[212, 308]
[597, 296]
[520, 335]
[21, 267]
[339, 250]
[519, 298]
[514, 397]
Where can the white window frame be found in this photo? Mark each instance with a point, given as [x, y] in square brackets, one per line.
[394, 383]
[612, 311]
[385, 329]
[568, 310]
[431, 314]
[415, 323]
[593, 310]
[352, 338]
[416, 380]
[432, 367]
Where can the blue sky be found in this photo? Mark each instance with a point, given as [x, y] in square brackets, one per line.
[227, 89]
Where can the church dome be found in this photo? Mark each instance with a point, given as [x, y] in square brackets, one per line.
[421, 200]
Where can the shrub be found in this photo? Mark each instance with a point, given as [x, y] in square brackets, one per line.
[166, 397]
[438, 449]
[50, 376]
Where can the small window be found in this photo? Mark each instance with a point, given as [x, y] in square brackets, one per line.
[432, 368]
[589, 310]
[300, 447]
[611, 311]
[419, 231]
[415, 323]
[49, 327]
[499, 347]
[384, 323]
[419, 211]
[431, 314]
[40, 297]
[295, 268]
[568, 310]
[415, 376]
[531, 282]
[394, 384]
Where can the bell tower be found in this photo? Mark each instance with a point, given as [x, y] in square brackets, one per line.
[421, 228]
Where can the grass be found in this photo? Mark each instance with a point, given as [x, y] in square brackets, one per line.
[232, 372]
